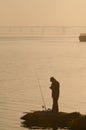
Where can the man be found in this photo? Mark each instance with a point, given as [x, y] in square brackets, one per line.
[55, 94]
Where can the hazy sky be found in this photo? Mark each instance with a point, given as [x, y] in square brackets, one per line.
[43, 12]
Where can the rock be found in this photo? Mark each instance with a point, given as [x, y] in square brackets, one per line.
[79, 123]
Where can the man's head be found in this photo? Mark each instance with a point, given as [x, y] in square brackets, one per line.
[52, 79]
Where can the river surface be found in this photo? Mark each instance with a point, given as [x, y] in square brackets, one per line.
[26, 65]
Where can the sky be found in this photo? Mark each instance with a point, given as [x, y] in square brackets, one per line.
[42, 12]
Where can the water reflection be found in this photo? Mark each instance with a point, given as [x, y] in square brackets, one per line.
[42, 128]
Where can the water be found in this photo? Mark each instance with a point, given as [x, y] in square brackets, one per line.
[23, 63]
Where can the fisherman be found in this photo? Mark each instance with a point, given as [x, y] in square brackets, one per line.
[55, 93]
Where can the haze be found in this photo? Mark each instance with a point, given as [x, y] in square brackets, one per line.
[43, 12]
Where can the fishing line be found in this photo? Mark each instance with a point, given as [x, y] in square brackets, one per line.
[44, 106]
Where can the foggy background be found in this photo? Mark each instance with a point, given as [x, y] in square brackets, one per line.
[43, 12]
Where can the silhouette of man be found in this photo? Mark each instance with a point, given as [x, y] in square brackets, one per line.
[55, 93]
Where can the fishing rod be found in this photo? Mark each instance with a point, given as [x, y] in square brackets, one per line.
[44, 106]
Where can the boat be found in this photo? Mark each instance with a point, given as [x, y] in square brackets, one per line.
[82, 37]
[49, 119]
